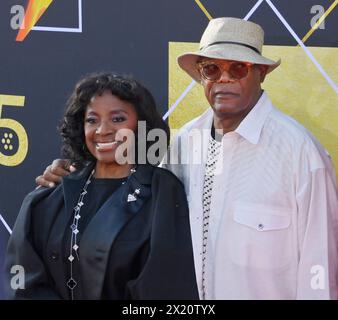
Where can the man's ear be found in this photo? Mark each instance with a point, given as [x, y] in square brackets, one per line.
[263, 70]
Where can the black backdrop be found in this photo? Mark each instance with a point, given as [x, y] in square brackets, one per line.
[128, 36]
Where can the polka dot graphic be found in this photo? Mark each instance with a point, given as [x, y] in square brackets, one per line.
[6, 141]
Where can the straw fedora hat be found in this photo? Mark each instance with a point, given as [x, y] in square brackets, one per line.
[229, 39]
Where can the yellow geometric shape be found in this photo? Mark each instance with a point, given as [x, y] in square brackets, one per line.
[20, 154]
[296, 87]
[202, 7]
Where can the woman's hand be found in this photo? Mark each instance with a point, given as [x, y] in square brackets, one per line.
[54, 173]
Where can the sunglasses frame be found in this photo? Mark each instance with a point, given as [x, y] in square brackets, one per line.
[220, 64]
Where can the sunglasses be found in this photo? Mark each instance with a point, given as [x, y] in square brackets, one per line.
[213, 70]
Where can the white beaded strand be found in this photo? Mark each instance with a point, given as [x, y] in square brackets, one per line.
[74, 247]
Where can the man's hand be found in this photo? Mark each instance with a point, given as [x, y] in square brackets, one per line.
[54, 172]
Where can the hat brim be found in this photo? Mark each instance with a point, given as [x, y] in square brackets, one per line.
[235, 52]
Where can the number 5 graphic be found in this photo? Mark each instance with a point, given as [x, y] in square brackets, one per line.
[20, 154]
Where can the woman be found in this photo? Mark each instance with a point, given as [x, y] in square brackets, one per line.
[114, 230]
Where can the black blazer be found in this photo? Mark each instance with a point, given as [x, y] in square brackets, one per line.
[137, 250]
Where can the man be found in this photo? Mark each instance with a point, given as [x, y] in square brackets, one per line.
[263, 201]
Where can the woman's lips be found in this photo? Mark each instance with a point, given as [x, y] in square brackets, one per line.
[106, 146]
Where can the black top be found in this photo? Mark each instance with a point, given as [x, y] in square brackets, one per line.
[98, 192]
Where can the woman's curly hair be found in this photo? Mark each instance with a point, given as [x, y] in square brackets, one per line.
[124, 87]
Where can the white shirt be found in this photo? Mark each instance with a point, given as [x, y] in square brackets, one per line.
[273, 226]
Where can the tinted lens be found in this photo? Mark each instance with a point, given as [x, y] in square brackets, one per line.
[238, 70]
[211, 71]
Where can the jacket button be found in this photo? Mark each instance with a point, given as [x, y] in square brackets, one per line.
[54, 256]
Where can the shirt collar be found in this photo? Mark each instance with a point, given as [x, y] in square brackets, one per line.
[251, 126]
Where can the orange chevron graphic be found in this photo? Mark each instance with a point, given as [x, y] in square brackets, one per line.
[34, 11]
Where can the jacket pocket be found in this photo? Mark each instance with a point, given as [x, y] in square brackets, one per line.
[263, 236]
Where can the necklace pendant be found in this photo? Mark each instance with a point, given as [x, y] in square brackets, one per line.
[71, 283]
